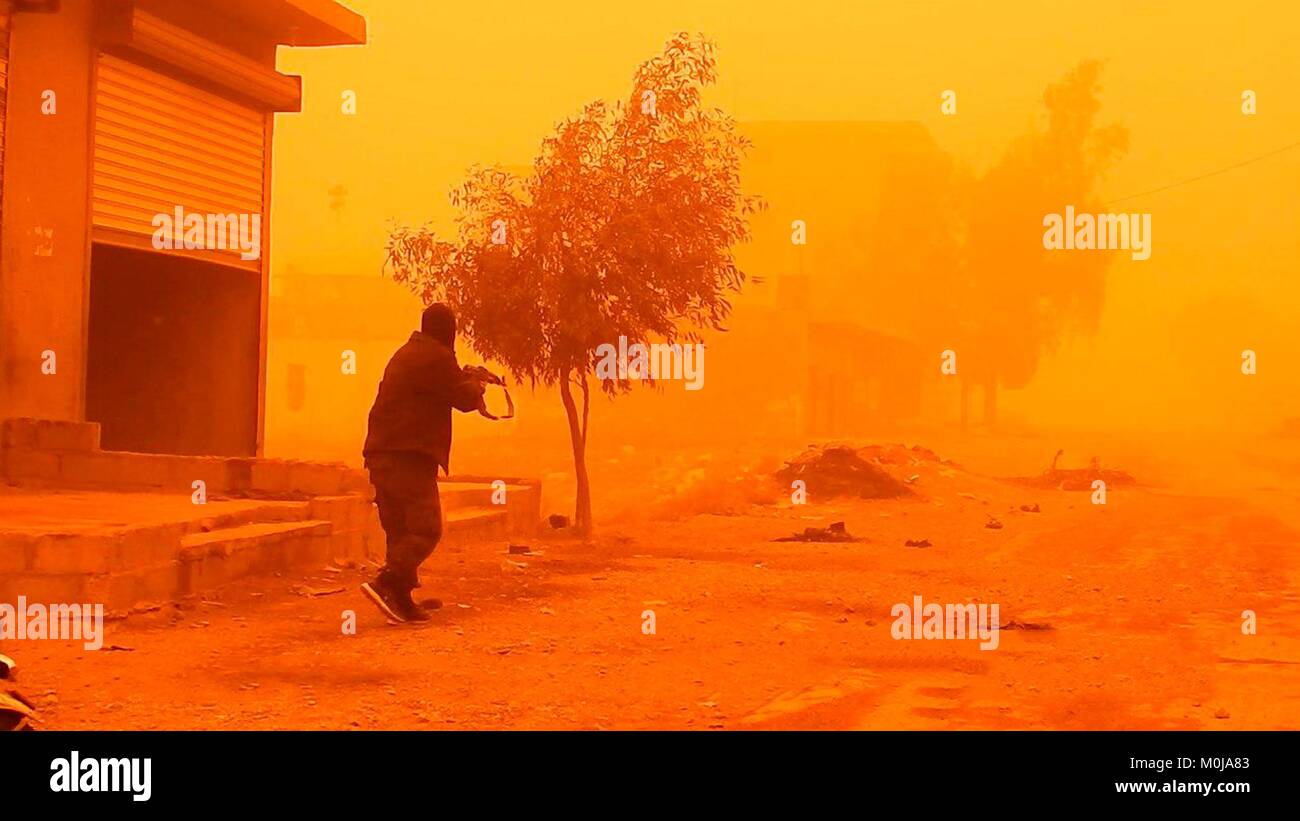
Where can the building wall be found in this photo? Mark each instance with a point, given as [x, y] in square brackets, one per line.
[316, 408]
[44, 259]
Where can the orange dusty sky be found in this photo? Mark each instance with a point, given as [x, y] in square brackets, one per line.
[442, 86]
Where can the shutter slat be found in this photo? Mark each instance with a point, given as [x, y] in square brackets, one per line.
[123, 170]
[160, 142]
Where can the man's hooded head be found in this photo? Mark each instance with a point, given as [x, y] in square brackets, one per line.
[439, 322]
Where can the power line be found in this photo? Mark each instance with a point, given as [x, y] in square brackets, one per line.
[1207, 175]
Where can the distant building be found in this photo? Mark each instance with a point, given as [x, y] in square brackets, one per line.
[824, 324]
[860, 379]
[331, 337]
[134, 224]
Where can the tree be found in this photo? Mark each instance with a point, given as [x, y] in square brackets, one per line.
[1017, 299]
[955, 258]
[624, 228]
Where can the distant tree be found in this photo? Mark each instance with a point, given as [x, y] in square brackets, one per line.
[955, 258]
[1017, 299]
[624, 227]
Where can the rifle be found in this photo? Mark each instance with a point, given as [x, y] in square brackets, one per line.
[485, 377]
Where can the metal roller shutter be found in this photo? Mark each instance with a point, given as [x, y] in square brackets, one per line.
[161, 143]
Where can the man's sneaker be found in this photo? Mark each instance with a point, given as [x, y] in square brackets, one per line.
[389, 602]
[408, 609]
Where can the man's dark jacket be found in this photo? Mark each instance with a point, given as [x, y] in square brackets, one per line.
[412, 411]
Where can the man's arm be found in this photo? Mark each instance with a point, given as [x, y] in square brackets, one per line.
[462, 391]
[467, 395]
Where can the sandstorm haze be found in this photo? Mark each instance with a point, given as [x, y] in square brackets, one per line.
[935, 407]
[842, 102]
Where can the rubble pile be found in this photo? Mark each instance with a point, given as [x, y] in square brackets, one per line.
[1055, 478]
[843, 470]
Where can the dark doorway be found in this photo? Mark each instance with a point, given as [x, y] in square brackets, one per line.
[173, 354]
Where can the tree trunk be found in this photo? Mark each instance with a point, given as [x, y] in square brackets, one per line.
[991, 401]
[578, 439]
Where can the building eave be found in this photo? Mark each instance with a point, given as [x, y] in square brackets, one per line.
[297, 22]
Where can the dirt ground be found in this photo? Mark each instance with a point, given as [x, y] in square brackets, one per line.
[1141, 598]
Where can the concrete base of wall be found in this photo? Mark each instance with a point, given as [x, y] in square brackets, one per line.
[79, 524]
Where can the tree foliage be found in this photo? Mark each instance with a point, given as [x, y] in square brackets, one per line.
[1016, 299]
[624, 227]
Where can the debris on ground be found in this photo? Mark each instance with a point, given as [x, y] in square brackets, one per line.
[993, 524]
[834, 532]
[557, 521]
[317, 592]
[917, 543]
[1031, 508]
[16, 712]
[1056, 478]
[1025, 625]
[841, 470]
[519, 550]
[432, 604]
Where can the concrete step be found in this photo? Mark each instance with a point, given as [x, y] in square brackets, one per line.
[474, 524]
[49, 548]
[229, 540]
[190, 563]
[209, 560]
[523, 500]
[121, 550]
[474, 494]
[271, 511]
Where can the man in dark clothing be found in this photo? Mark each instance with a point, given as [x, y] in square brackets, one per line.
[408, 439]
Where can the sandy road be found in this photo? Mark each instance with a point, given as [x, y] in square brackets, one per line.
[1142, 597]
